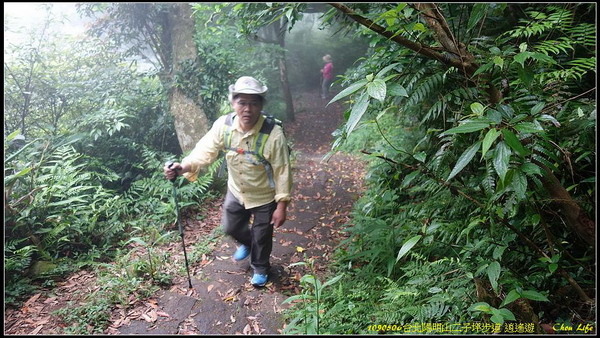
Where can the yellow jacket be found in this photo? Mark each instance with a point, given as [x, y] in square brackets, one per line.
[247, 181]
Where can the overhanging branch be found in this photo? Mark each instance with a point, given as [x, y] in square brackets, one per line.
[415, 46]
[464, 61]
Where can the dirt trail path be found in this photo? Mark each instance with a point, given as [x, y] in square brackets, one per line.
[222, 300]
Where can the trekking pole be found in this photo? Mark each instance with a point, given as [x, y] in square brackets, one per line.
[169, 164]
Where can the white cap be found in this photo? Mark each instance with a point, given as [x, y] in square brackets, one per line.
[247, 85]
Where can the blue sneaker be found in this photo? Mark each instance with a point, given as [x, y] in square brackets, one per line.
[259, 280]
[241, 253]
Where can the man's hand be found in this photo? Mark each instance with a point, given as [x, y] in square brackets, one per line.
[171, 170]
[279, 215]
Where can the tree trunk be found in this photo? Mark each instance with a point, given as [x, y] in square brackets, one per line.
[574, 217]
[191, 123]
[283, 75]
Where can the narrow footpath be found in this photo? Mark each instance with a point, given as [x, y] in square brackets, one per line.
[222, 300]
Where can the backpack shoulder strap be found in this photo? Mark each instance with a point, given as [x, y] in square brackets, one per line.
[268, 125]
[229, 119]
[227, 130]
[264, 133]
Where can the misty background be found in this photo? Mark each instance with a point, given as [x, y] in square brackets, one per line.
[306, 43]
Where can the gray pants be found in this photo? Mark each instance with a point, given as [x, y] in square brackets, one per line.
[259, 237]
[325, 84]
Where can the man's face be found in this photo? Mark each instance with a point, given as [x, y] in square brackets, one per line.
[248, 108]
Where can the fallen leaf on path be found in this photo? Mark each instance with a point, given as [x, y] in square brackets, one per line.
[42, 321]
[37, 329]
[230, 295]
[117, 323]
[256, 328]
[210, 287]
[32, 299]
[150, 317]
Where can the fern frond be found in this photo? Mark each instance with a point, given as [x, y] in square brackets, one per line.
[433, 312]
[578, 68]
[584, 34]
[582, 65]
[454, 97]
[523, 97]
[489, 180]
[561, 45]
[412, 79]
[540, 23]
[560, 17]
[426, 88]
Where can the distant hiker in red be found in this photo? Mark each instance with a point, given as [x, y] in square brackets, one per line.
[327, 76]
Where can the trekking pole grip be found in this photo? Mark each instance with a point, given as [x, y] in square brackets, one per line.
[169, 164]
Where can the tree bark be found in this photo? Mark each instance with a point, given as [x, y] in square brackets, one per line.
[437, 22]
[275, 34]
[575, 218]
[191, 123]
[283, 74]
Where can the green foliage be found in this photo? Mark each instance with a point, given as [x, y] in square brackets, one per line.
[206, 245]
[498, 316]
[68, 210]
[457, 183]
[152, 196]
[148, 239]
[554, 35]
[229, 47]
[17, 258]
[90, 318]
[114, 286]
[207, 78]
[85, 147]
[310, 313]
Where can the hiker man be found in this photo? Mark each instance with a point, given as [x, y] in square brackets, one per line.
[326, 76]
[260, 178]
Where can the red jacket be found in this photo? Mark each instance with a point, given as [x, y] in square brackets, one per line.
[328, 71]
